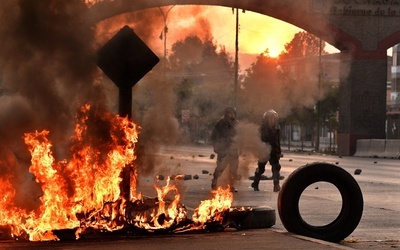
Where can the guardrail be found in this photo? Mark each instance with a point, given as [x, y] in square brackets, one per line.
[378, 148]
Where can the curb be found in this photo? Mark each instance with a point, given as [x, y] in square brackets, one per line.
[322, 242]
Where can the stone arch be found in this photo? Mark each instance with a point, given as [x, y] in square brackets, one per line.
[390, 41]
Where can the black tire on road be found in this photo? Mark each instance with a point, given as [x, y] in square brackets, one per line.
[352, 201]
[259, 217]
[254, 217]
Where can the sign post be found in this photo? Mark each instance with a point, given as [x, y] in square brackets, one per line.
[125, 59]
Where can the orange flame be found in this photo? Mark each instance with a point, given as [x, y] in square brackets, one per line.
[160, 212]
[84, 192]
[213, 209]
[54, 212]
[92, 173]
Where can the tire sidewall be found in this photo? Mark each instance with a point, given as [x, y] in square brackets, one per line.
[292, 189]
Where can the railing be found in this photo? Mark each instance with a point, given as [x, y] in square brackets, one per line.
[325, 144]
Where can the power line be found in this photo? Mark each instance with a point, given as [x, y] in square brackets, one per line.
[260, 32]
[224, 34]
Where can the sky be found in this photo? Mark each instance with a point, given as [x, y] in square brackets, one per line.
[257, 32]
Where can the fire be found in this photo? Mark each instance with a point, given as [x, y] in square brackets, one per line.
[54, 213]
[84, 192]
[213, 209]
[164, 212]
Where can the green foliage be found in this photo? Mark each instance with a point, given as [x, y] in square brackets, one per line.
[329, 107]
[290, 85]
[204, 76]
[303, 44]
[260, 88]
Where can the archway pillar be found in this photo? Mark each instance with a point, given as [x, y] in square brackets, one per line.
[362, 107]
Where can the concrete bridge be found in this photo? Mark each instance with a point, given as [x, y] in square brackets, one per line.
[362, 30]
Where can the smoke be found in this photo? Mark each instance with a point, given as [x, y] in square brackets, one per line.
[159, 128]
[181, 21]
[47, 71]
[156, 114]
[154, 106]
[139, 21]
[252, 148]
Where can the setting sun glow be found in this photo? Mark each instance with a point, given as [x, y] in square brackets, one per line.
[257, 32]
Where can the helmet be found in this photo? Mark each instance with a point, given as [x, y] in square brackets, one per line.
[230, 109]
[271, 118]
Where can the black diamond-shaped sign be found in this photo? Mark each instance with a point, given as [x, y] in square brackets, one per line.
[125, 58]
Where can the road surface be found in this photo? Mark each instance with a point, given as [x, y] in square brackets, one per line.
[379, 181]
[378, 229]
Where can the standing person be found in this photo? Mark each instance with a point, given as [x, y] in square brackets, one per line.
[222, 140]
[270, 134]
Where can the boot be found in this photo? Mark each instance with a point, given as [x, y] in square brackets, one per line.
[277, 187]
[254, 185]
[257, 177]
[233, 178]
[214, 183]
[275, 176]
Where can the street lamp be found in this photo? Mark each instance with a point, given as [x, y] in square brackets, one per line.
[164, 35]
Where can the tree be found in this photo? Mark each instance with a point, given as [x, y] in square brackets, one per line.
[201, 74]
[185, 53]
[260, 88]
[204, 76]
[268, 82]
[319, 96]
[303, 44]
[329, 107]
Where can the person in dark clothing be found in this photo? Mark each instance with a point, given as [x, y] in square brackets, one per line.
[270, 134]
[222, 140]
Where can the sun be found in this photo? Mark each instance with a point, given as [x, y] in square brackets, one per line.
[274, 53]
[257, 32]
[252, 45]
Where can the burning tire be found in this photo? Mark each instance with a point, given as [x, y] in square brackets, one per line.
[250, 218]
[350, 212]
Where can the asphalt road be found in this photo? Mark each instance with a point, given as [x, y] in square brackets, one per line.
[380, 184]
[319, 204]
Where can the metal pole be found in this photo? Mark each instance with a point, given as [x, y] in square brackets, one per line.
[236, 57]
[165, 51]
[319, 95]
[125, 110]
